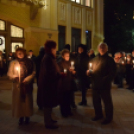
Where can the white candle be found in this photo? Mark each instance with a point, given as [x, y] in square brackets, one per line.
[72, 65]
[90, 65]
[29, 57]
[18, 70]
[122, 62]
[128, 59]
[65, 71]
[133, 61]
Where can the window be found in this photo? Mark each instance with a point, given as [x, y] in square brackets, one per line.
[2, 25]
[16, 31]
[16, 45]
[77, 1]
[88, 3]
[2, 43]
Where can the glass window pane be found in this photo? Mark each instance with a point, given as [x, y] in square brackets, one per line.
[88, 3]
[16, 32]
[2, 25]
[77, 1]
[16, 45]
[2, 43]
[73, 0]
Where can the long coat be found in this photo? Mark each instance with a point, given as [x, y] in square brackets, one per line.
[104, 69]
[21, 108]
[48, 83]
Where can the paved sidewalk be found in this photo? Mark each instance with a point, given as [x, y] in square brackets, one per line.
[80, 123]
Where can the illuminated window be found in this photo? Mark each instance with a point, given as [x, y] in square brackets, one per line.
[77, 1]
[16, 32]
[2, 43]
[16, 45]
[2, 25]
[88, 3]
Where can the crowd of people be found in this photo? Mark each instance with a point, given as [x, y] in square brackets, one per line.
[59, 76]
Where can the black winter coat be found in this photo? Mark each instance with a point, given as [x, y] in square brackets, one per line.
[66, 80]
[48, 83]
[104, 69]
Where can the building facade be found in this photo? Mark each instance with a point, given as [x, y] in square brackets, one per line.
[29, 23]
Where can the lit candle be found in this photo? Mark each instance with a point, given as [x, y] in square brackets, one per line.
[128, 59]
[29, 57]
[122, 62]
[90, 66]
[133, 61]
[72, 65]
[65, 71]
[18, 70]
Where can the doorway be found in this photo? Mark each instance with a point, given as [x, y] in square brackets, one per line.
[61, 37]
[88, 40]
[76, 39]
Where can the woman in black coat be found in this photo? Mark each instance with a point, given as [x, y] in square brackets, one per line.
[48, 83]
[66, 88]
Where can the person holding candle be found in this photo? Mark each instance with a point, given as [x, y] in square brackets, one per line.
[121, 69]
[66, 83]
[102, 75]
[129, 70]
[81, 66]
[22, 72]
[48, 83]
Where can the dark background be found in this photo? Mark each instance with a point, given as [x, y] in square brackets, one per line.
[119, 25]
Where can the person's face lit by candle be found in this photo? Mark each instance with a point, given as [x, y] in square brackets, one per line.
[20, 54]
[80, 50]
[102, 48]
[66, 56]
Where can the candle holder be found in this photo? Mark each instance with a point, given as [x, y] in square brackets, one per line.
[72, 65]
[65, 71]
[123, 62]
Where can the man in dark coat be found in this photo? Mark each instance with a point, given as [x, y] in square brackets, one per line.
[48, 83]
[37, 61]
[102, 74]
[81, 66]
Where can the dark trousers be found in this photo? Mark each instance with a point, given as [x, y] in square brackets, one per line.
[1, 72]
[105, 96]
[47, 116]
[65, 103]
[120, 79]
[83, 89]
[72, 98]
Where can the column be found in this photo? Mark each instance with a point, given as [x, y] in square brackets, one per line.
[69, 22]
[83, 34]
